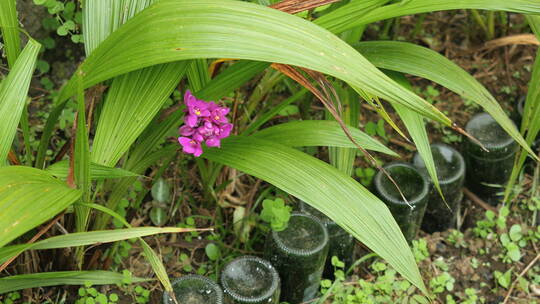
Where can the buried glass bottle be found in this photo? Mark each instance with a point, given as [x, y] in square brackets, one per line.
[250, 279]
[299, 254]
[340, 243]
[414, 187]
[488, 171]
[194, 289]
[450, 168]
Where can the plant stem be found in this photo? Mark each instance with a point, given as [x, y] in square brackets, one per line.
[491, 25]
[26, 135]
[479, 20]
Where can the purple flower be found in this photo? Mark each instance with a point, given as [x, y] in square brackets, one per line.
[217, 113]
[205, 122]
[224, 130]
[191, 120]
[207, 129]
[190, 146]
[213, 141]
[186, 130]
[196, 107]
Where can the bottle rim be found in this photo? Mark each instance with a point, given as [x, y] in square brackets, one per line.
[276, 281]
[387, 196]
[196, 277]
[490, 146]
[458, 173]
[303, 252]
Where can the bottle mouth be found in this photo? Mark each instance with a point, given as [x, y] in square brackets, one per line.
[487, 130]
[193, 279]
[458, 172]
[403, 174]
[313, 227]
[246, 264]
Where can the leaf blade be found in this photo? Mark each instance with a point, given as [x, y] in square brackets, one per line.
[330, 191]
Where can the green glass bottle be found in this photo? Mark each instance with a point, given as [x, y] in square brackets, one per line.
[341, 243]
[299, 254]
[195, 289]
[450, 167]
[486, 170]
[250, 280]
[415, 189]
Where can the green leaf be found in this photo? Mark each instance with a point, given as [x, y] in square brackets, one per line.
[272, 36]
[340, 19]
[289, 110]
[134, 98]
[319, 133]
[82, 159]
[97, 172]
[515, 233]
[158, 216]
[230, 79]
[504, 279]
[423, 62]
[131, 104]
[197, 74]
[212, 251]
[276, 213]
[9, 25]
[87, 238]
[530, 125]
[513, 252]
[23, 190]
[427, 6]
[330, 191]
[161, 191]
[13, 90]
[415, 125]
[25, 281]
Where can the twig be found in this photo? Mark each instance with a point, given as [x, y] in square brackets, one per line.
[522, 273]
[37, 236]
[473, 197]
[296, 6]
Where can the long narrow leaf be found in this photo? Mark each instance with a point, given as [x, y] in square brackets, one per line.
[319, 133]
[530, 124]
[332, 192]
[417, 129]
[253, 32]
[81, 162]
[97, 172]
[231, 79]
[13, 92]
[87, 238]
[9, 25]
[423, 62]
[409, 7]
[23, 190]
[131, 104]
[25, 281]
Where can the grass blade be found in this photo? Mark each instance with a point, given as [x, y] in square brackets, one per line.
[10, 30]
[423, 62]
[332, 192]
[87, 238]
[24, 190]
[254, 32]
[319, 133]
[97, 172]
[13, 92]
[25, 281]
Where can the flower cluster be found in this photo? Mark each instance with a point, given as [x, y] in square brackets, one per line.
[204, 122]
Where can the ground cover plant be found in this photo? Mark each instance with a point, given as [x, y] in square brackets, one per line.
[143, 140]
